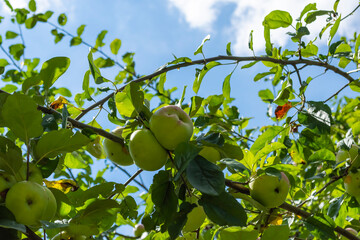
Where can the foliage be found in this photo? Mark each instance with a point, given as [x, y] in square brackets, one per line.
[40, 123]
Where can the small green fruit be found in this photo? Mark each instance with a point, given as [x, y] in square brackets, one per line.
[116, 152]
[352, 184]
[138, 230]
[146, 151]
[269, 190]
[35, 174]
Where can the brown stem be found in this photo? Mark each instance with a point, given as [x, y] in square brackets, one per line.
[290, 208]
[31, 235]
[128, 174]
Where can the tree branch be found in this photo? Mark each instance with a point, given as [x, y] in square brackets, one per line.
[297, 211]
[128, 174]
[219, 58]
[31, 235]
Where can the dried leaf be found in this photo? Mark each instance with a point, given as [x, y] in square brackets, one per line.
[58, 103]
[63, 185]
[280, 111]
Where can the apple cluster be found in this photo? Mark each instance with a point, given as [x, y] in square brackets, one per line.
[168, 126]
[29, 200]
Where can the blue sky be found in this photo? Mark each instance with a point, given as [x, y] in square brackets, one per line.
[156, 29]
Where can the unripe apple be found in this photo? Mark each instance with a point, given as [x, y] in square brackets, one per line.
[146, 151]
[352, 184]
[355, 157]
[116, 152]
[210, 154]
[139, 229]
[351, 230]
[6, 181]
[171, 125]
[29, 201]
[35, 174]
[95, 148]
[51, 205]
[195, 218]
[269, 190]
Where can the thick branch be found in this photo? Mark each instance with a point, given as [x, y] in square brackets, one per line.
[31, 235]
[304, 214]
[219, 58]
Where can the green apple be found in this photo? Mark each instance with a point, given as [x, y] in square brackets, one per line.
[51, 205]
[352, 184]
[95, 148]
[342, 155]
[139, 229]
[116, 152]
[210, 154]
[27, 201]
[146, 151]
[6, 181]
[171, 125]
[270, 191]
[194, 218]
[35, 174]
[351, 230]
[66, 236]
[355, 157]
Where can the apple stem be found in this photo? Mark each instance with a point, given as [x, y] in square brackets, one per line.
[27, 161]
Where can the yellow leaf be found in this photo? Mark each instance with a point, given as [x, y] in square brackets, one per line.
[58, 103]
[63, 185]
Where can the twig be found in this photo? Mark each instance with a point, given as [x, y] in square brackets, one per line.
[128, 181]
[9, 56]
[337, 92]
[125, 236]
[31, 235]
[350, 13]
[297, 211]
[128, 174]
[300, 82]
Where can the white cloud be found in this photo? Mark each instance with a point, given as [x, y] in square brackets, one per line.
[248, 15]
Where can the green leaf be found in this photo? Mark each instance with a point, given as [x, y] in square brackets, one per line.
[307, 8]
[251, 41]
[355, 85]
[280, 232]
[322, 155]
[163, 195]
[80, 30]
[199, 49]
[124, 105]
[52, 69]
[226, 86]
[20, 114]
[32, 5]
[234, 166]
[334, 29]
[86, 83]
[205, 176]
[311, 16]
[196, 103]
[334, 207]
[162, 81]
[249, 64]
[261, 75]
[95, 71]
[11, 35]
[317, 116]
[277, 19]
[266, 95]
[268, 44]
[10, 156]
[62, 19]
[321, 227]
[310, 50]
[115, 46]
[8, 221]
[133, 90]
[104, 63]
[265, 138]
[224, 209]
[268, 149]
[184, 154]
[74, 160]
[75, 41]
[100, 39]
[16, 50]
[179, 220]
[199, 78]
[228, 49]
[31, 22]
[128, 208]
[232, 151]
[57, 142]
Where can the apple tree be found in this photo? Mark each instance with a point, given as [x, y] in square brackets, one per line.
[213, 176]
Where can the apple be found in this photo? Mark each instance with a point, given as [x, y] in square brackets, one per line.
[269, 190]
[51, 205]
[351, 230]
[352, 184]
[95, 148]
[210, 154]
[139, 229]
[194, 218]
[171, 125]
[342, 155]
[28, 201]
[65, 236]
[146, 151]
[355, 157]
[116, 152]
[35, 174]
[6, 181]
